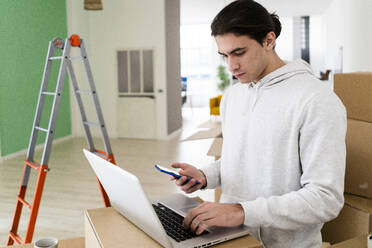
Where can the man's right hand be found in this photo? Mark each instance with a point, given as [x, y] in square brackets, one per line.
[187, 170]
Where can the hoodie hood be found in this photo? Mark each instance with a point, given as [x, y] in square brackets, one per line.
[276, 77]
[287, 71]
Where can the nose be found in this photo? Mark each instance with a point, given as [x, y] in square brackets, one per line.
[233, 64]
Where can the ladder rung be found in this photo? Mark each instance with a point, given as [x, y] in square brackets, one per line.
[91, 123]
[55, 58]
[100, 155]
[42, 129]
[16, 238]
[73, 58]
[48, 93]
[34, 165]
[24, 202]
[86, 92]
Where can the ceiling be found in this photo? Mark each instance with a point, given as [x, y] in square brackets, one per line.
[203, 11]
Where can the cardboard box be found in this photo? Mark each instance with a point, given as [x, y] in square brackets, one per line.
[355, 219]
[210, 131]
[358, 242]
[355, 91]
[216, 148]
[358, 177]
[106, 228]
[213, 131]
[326, 245]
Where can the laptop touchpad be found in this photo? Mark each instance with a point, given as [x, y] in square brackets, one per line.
[179, 203]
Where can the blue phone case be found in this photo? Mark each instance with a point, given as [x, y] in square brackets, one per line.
[173, 174]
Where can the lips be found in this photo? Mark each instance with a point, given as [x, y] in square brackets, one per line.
[238, 75]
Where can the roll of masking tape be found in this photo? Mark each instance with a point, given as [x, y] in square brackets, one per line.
[369, 241]
[47, 243]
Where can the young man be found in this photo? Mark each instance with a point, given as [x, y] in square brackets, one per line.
[283, 157]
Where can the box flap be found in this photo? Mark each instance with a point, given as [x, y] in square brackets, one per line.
[360, 203]
[216, 148]
[206, 134]
[326, 245]
[358, 242]
[113, 230]
[355, 91]
[351, 222]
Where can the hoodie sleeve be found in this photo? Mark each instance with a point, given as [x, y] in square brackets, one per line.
[322, 153]
[212, 174]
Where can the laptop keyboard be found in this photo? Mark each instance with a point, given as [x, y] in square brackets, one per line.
[172, 223]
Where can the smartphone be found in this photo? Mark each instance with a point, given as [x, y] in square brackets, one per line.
[171, 172]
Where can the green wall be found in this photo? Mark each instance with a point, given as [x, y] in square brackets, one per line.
[26, 27]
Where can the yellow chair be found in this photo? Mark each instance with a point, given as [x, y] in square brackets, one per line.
[214, 105]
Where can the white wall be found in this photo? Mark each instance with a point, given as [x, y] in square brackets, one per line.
[316, 34]
[126, 24]
[77, 23]
[347, 23]
[284, 43]
[200, 11]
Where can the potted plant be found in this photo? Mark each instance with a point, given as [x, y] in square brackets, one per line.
[224, 78]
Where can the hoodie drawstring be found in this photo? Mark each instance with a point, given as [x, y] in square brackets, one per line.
[256, 87]
[255, 98]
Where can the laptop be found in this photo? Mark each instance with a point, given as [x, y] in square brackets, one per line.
[160, 219]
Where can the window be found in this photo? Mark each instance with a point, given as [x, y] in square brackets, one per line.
[135, 73]
[305, 48]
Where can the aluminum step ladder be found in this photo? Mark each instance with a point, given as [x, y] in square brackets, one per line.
[42, 168]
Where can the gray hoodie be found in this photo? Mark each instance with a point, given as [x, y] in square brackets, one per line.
[283, 155]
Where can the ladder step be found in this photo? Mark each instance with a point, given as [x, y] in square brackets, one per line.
[34, 165]
[100, 155]
[61, 57]
[49, 93]
[86, 92]
[24, 202]
[42, 129]
[16, 238]
[73, 58]
[56, 57]
[91, 123]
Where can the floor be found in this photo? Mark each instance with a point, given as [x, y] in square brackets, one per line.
[71, 186]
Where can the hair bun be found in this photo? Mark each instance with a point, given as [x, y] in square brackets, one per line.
[276, 23]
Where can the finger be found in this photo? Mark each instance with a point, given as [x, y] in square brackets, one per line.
[194, 188]
[192, 214]
[181, 181]
[198, 220]
[189, 186]
[179, 165]
[204, 225]
[172, 178]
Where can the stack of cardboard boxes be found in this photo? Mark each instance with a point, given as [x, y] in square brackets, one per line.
[355, 220]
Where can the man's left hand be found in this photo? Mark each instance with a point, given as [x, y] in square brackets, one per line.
[210, 214]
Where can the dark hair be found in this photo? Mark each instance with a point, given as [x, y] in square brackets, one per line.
[246, 17]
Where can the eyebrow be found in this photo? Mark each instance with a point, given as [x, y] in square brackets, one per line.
[233, 51]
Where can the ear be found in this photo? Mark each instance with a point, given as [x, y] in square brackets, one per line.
[269, 41]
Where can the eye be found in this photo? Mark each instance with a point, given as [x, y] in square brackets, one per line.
[240, 53]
